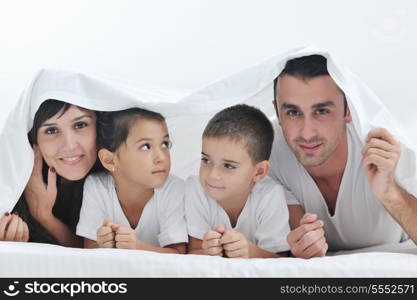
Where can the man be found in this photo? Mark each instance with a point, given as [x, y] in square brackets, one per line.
[347, 192]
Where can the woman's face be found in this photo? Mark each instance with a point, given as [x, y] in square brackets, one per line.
[68, 142]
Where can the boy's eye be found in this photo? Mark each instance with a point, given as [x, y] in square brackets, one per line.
[293, 113]
[145, 147]
[167, 144]
[51, 130]
[229, 166]
[80, 125]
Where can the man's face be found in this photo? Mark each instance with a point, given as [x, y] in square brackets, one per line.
[311, 115]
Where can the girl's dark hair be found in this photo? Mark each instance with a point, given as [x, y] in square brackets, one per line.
[113, 127]
[68, 201]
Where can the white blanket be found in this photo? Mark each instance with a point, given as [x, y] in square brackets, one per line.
[43, 260]
[186, 116]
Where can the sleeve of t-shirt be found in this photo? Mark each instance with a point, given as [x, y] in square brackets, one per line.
[173, 229]
[273, 227]
[196, 209]
[274, 174]
[92, 211]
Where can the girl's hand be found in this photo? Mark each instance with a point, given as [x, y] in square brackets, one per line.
[125, 237]
[13, 228]
[39, 196]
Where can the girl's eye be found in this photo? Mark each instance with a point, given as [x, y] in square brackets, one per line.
[205, 160]
[80, 125]
[145, 147]
[167, 144]
[51, 130]
[229, 166]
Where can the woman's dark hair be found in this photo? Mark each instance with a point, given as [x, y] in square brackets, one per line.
[113, 127]
[69, 197]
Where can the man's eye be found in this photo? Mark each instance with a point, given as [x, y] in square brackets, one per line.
[145, 147]
[229, 166]
[321, 111]
[293, 113]
[51, 130]
[80, 125]
[167, 144]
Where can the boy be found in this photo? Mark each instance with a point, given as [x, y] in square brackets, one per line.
[232, 208]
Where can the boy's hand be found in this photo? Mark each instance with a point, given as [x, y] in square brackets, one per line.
[211, 242]
[235, 244]
[125, 237]
[105, 235]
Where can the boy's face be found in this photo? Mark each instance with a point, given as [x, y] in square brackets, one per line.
[144, 158]
[226, 170]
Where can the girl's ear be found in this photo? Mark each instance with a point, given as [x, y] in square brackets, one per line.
[262, 169]
[107, 159]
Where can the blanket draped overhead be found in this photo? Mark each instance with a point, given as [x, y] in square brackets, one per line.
[186, 115]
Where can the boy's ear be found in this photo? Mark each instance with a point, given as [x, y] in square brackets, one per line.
[107, 159]
[348, 117]
[262, 170]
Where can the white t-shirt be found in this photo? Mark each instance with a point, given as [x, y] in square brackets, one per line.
[263, 220]
[359, 220]
[162, 221]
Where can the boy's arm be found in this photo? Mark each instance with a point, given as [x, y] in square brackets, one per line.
[173, 248]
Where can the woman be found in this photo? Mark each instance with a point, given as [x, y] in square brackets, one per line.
[64, 141]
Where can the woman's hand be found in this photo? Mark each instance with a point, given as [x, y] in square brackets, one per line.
[13, 228]
[39, 196]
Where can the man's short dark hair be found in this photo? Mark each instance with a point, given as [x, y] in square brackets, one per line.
[306, 67]
[247, 124]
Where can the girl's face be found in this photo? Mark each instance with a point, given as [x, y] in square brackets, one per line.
[68, 142]
[144, 158]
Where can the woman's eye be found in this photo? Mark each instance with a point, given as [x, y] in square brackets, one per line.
[229, 166]
[167, 144]
[51, 130]
[80, 125]
[145, 147]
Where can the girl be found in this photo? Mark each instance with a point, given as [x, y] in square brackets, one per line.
[137, 204]
[64, 141]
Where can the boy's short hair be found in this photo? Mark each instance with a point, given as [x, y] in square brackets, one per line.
[244, 123]
[113, 126]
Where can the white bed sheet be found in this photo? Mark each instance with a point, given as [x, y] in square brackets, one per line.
[44, 260]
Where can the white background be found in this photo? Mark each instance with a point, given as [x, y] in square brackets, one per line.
[185, 44]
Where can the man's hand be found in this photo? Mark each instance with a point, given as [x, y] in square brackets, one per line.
[235, 244]
[381, 154]
[125, 237]
[308, 240]
[105, 235]
[39, 196]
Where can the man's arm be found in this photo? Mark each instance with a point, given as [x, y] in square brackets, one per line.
[403, 208]
[381, 154]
